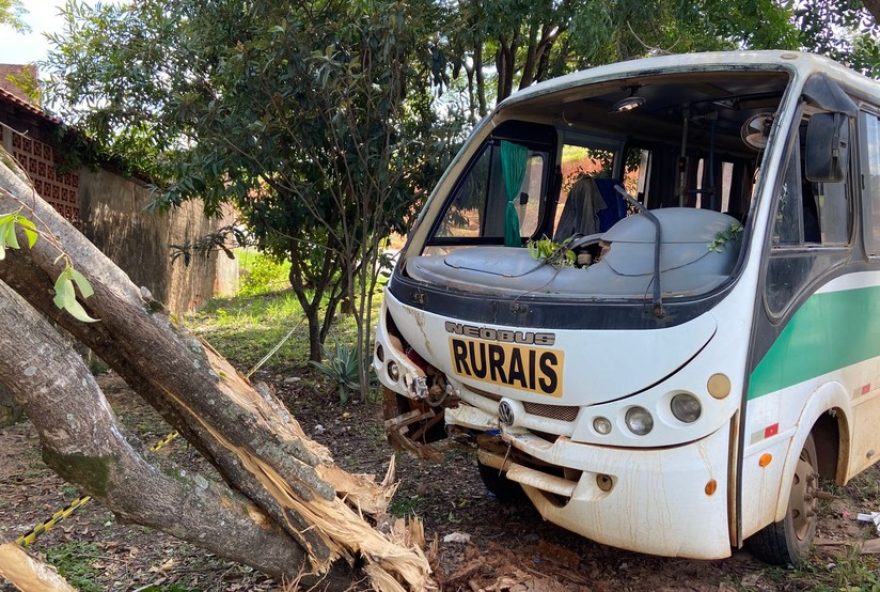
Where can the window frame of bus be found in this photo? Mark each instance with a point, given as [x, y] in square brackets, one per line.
[803, 249]
[871, 246]
[493, 142]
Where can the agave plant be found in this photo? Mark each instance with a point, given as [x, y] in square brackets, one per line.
[341, 366]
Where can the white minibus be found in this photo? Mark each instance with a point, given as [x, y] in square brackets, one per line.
[649, 295]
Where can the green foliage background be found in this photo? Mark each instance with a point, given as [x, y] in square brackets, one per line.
[326, 122]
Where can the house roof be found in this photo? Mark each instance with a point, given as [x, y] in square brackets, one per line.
[111, 163]
[17, 102]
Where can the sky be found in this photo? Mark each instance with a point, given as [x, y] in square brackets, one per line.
[42, 16]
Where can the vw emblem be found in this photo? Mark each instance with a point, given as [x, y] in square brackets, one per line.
[505, 413]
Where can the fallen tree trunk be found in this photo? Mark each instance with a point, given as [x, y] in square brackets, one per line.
[27, 574]
[83, 442]
[256, 444]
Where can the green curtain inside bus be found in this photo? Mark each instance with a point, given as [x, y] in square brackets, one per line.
[513, 166]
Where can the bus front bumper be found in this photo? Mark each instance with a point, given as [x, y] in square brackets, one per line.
[664, 501]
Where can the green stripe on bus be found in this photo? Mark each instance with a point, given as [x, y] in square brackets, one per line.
[829, 331]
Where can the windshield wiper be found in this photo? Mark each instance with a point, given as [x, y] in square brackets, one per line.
[655, 280]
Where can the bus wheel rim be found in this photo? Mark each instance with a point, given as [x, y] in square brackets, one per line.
[803, 500]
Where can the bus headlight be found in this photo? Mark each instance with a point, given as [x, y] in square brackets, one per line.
[686, 407]
[639, 421]
[393, 371]
[602, 425]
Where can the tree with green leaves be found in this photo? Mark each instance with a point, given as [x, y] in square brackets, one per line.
[518, 42]
[514, 43]
[846, 30]
[313, 119]
[12, 15]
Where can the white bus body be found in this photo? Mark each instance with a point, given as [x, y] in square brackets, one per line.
[677, 421]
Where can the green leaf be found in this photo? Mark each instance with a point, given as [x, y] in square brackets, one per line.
[76, 310]
[8, 238]
[64, 290]
[85, 288]
[65, 294]
[11, 239]
[30, 230]
[3, 239]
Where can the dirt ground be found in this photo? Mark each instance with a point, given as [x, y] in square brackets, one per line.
[510, 547]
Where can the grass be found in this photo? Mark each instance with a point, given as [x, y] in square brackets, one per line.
[851, 572]
[261, 274]
[246, 327]
[405, 506]
[75, 562]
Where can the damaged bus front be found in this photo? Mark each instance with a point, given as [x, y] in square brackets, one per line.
[585, 298]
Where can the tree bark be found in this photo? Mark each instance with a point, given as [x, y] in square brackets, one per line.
[28, 281]
[259, 448]
[321, 279]
[536, 56]
[83, 442]
[481, 78]
[528, 72]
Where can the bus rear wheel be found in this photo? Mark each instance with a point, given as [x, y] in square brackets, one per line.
[788, 541]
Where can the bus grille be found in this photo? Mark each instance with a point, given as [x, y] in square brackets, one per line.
[560, 412]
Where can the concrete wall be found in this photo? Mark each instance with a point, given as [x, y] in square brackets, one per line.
[112, 210]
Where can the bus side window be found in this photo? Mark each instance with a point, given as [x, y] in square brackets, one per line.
[528, 205]
[810, 213]
[477, 208]
[808, 217]
[871, 170]
[787, 226]
[465, 216]
[833, 204]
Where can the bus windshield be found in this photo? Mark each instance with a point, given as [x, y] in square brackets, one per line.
[553, 201]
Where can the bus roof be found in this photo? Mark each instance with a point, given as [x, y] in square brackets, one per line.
[801, 64]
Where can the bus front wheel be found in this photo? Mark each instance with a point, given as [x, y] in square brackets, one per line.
[788, 541]
[504, 490]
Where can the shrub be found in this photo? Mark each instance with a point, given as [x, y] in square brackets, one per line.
[341, 366]
[261, 274]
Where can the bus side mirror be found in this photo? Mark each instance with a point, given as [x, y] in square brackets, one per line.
[827, 150]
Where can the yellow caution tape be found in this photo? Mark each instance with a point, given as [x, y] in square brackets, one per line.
[164, 442]
[29, 537]
[57, 517]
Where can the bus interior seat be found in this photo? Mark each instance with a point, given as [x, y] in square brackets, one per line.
[580, 213]
[615, 207]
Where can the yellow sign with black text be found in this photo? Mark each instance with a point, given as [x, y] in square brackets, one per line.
[532, 369]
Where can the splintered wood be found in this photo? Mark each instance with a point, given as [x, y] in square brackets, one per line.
[395, 562]
[27, 574]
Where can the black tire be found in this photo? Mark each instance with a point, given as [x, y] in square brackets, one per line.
[790, 541]
[504, 490]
